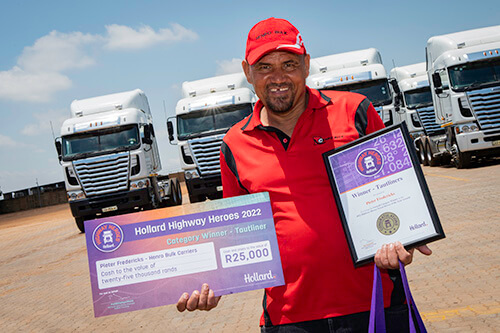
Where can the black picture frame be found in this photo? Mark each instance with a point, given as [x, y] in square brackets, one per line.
[421, 182]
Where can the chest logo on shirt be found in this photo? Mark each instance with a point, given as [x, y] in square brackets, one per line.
[369, 162]
[318, 140]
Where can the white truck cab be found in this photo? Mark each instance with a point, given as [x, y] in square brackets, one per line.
[464, 73]
[110, 158]
[417, 110]
[359, 71]
[208, 109]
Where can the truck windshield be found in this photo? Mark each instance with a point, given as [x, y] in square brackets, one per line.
[210, 121]
[101, 141]
[377, 91]
[418, 98]
[475, 74]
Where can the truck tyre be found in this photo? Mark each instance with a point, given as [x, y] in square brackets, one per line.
[462, 160]
[176, 193]
[179, 194]
[422, 156]
[80, 223]
[431, 159]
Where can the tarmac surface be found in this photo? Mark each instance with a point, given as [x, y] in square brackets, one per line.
[45, 285]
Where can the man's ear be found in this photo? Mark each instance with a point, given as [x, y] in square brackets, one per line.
[246, 70]
[307, 62]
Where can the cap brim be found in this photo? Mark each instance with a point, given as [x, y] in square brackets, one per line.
[261, 51]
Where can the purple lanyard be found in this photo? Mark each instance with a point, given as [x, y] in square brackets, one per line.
[377, 315]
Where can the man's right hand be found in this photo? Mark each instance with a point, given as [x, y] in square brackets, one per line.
[204, 301]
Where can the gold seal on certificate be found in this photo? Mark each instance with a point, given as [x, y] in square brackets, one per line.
[381, 193]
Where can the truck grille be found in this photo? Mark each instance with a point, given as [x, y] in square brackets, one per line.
[485, 104]
[427, 118]
[103, 174]
[206, 153]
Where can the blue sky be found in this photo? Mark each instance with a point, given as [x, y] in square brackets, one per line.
[53, 52]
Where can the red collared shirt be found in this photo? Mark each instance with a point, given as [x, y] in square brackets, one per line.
[320, 278]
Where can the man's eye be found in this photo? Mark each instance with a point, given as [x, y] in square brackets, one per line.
[290, 66]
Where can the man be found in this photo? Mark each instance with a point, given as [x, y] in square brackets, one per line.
[276, 150]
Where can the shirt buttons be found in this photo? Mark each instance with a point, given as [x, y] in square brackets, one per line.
[285, 140]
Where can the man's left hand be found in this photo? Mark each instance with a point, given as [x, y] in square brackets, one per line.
[387, 257]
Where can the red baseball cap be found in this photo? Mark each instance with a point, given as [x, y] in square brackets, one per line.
[271, 35]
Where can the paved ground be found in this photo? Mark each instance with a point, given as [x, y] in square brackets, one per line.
[44, 282]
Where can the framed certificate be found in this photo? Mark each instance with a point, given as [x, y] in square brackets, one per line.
[381, 193]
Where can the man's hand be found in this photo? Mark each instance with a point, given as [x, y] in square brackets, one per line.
[387, 256]
[205, 300]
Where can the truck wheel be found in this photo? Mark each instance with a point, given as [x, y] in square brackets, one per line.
[422, 156]
[80, 223]
[179, 194]
[433, 161]
[461, 160]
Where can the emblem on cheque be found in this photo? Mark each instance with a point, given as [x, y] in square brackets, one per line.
[388, 223]
[107, 237]
[369, 162]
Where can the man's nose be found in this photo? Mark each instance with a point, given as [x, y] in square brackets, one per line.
[278, 76]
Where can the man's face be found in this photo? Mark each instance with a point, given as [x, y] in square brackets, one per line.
[279, 79]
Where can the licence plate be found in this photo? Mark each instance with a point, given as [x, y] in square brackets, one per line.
[496, 143]
[109, 209]
[219, 188]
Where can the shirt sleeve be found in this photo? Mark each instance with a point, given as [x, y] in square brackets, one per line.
[374, 123]
[230, 183]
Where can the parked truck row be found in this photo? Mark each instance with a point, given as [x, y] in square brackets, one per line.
[450, 104]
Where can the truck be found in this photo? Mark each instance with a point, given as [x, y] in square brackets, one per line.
[359, 71]
[414, 104]
[463, 70]
[110, 159]
[208, 108]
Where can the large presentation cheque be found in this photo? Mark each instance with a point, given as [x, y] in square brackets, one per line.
[381, 193]
[148, 259]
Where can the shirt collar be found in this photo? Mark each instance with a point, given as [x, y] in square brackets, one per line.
[317, 100]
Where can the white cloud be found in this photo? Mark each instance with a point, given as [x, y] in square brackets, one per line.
[20, 85]
[42, 126]
[57, 52]
[229, 66]
[7, 142]
[38, 74]
[11, 144]
[123, 37]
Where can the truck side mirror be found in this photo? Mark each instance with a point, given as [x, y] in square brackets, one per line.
[147, 135]
[170, 130]
[438, 84]
[58, 149]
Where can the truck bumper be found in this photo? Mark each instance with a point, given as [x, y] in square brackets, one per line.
[479, 143]
[116, 202]
[204, 186]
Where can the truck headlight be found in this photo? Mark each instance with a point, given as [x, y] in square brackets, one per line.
[139, 184]
[190, 174]
[76, 195]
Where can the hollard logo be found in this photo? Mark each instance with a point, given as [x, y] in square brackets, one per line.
[107, 237]
[369, 162]
[257, 277]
